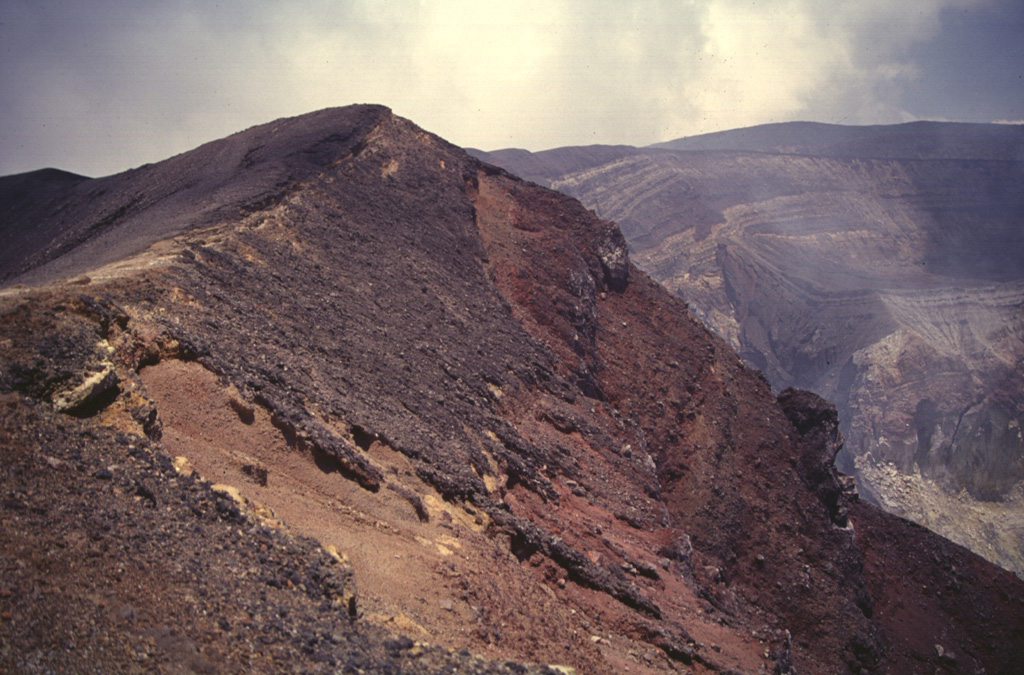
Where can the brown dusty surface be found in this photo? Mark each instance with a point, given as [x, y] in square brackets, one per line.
[114, 562]
[441, 580]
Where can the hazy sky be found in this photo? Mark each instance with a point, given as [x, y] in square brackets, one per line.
[99, 86]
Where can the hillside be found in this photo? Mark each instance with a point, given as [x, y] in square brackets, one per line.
[881, 267]
[342, 397]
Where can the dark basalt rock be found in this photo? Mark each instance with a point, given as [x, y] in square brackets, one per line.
[817, 424]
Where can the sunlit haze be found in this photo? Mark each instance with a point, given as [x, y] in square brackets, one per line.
[103, 86]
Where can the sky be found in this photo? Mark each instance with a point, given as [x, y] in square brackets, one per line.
[100, 86]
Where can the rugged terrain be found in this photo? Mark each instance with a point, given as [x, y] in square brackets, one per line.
[330, 395]
[881, 267]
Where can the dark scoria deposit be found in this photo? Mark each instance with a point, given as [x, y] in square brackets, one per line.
[330, 395]
[881, 267]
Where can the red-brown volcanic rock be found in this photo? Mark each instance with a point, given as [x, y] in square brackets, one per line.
[880, 267]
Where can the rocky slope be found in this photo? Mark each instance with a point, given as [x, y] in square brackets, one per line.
[881, 267]
[331, 395]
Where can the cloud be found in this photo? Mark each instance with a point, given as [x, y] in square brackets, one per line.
[102, 86]
[838, 62]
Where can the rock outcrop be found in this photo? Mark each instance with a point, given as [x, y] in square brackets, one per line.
[880, 267]
[376, 405]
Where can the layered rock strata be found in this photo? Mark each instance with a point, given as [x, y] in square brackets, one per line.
[880, 267]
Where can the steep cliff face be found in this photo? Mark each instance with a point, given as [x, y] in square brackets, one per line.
[369, 403]
[880, 267]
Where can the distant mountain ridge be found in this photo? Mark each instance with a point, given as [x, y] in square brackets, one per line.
[911, 140]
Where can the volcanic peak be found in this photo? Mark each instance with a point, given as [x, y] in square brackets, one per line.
[525, 446]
